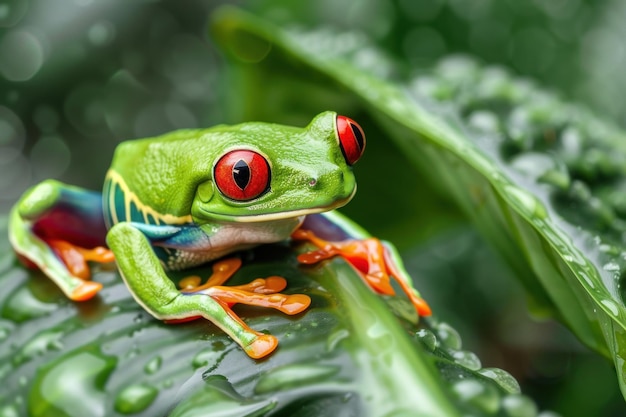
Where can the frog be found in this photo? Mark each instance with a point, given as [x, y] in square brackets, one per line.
[196, 196]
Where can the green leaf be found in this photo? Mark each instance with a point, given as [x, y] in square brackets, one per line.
[352, 353]
[541, 178]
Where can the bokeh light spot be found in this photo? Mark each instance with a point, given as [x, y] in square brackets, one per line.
[16, 176]
[488, 38]
[186, 61]
[180, 116]
[421, 11]
[101, 33]
[423, 44]
[21, 55]
[11, 129]
[49, 157]
[12, 12]
[371, 16]
[470, 10]
[85, 110]
[46, 118]
[158, 118]
[602, 52]
[532, 50]
[559, 9]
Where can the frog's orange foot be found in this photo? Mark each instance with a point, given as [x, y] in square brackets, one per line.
[269, 285]
[367, 256]
[222, 271]
[422, 307]
[288, 304]
[75, 257]
[262, 292]
[85, 291]
[313, 257]
[262, 346]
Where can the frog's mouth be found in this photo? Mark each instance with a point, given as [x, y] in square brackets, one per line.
[281, 215]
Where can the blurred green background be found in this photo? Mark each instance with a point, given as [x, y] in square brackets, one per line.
[79, 76]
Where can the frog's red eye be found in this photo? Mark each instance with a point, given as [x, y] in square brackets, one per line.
[351, 139]
[242, 175]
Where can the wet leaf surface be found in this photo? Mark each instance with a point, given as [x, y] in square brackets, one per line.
[348, 355]
[541, 178]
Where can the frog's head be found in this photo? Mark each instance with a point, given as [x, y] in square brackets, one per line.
[265, 172]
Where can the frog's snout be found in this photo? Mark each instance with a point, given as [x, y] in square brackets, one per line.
[325, 179]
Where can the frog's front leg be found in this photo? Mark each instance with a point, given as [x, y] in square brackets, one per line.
[262, 292]
[57, 228]
[144, 275]
[377, 262]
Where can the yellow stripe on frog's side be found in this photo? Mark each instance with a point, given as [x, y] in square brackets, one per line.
[150, 215]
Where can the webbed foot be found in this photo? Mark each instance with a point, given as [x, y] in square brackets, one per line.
[262, 346]
[262, 292]
[371, 258]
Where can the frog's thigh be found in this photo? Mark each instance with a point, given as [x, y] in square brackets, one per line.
[64, 212]
[52, 210]
[144, 276]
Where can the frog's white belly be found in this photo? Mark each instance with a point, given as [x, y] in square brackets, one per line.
[229, 238]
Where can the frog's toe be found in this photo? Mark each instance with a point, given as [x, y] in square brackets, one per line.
[421, 306]
[269, 285]
[294, 304]
[274, 284]
[261, 346]
[85, 291]
[75, 257]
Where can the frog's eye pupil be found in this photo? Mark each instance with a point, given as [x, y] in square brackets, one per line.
[358, 134]
[242, 175]
[351, 139]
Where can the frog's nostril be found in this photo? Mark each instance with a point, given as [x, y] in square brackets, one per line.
[312, 182]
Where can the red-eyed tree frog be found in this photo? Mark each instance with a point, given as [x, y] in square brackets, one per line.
[195, 196]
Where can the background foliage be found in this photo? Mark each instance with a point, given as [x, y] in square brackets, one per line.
[77, 77]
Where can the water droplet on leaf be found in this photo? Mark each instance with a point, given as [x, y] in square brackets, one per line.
[519, 406]
[502, 378]
[478, 394]
[135, 398]
[153, 365]
[467, 359]
[448, 336]
[428, 339]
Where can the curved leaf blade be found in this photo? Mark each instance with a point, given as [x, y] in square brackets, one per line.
[571, 265]
[353, 353]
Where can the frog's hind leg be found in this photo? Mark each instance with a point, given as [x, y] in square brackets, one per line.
[57, 228]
